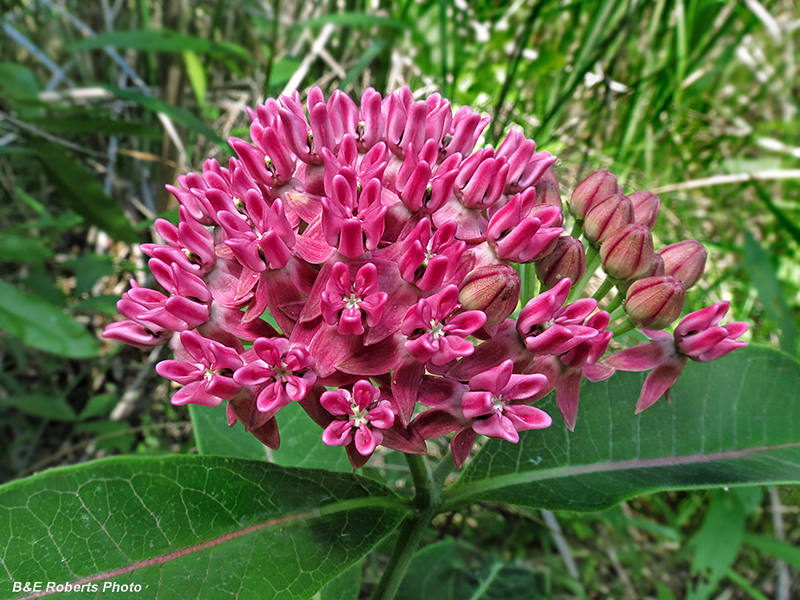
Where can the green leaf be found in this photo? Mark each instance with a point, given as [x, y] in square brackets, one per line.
[776, 548]
[192, 526]
[43, 325]
[88, 269]
[731, 422]
[355, 19]
[301, 440]
[99, 405]
[22, 246]
[215, 438]
[718, 542]
[80, 191]
[197, 76]
[18, 82]
[759, 267]
[345, 587]
[440, 571]
[159, 40]
[184, 117]
[40, 405]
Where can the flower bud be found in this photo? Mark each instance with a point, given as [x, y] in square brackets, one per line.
[628, 252]
[656, 268]
[567, 259]
[596, 187]
[606, 216]
[655, 302]
[645, 207]
[547, 193]
[493, 289]
[684, 260]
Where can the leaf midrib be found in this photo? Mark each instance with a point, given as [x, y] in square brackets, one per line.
[330, 509]
[464, 493]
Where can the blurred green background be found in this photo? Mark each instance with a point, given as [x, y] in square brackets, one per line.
[102, 103]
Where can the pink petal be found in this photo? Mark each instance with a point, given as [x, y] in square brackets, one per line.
[527, 417]
[659, 382]
[497, 426]
[338, 433]
[367, 440]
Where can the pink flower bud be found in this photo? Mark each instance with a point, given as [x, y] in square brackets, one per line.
[493, 289]
[645, 207]
[547, 193]
[606, 216]
[655, 302]
[596, 187]
[685, 260]
[567, 260]
[628, 252]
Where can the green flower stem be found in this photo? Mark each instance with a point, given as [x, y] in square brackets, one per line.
[623, 327]
[616, 302]
[530, 283]
[577, 229]
[604, 288]
[616, 313]
[426, 503]
[592, 261]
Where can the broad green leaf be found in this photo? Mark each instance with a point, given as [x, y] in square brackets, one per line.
[735, 421]
[159, 40]
[301, 440]
[191, 527]
[40, 405]
[215, 438]
[440, 571]
[345, 587]
[80, 191]
[184, 117]
[43, 325]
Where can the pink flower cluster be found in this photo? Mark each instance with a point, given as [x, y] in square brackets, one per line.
[381, 242]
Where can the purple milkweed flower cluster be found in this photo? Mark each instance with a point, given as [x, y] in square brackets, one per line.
[382, 243]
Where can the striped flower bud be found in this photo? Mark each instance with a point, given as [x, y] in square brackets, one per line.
[596, 187]
[655, 302]
[606, 216]
[645, 207]
[567, 260]
[685, 260]
[628, 252]
[493, 289]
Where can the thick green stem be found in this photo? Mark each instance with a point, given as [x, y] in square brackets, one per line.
[604, 288]
[426, 503]
[615, 303]
[592, 261]
[616, 313]
[623, 327]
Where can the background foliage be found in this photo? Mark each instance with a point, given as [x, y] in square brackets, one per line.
[103, 103]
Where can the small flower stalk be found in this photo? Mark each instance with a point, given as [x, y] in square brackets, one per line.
[384, 242]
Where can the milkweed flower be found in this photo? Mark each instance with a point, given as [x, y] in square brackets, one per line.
[358, 258]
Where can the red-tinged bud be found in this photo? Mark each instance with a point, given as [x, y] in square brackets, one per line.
[656, 268]
[684, 260]
[596, 187]
[606, 217]
[547, 193]
[628, 252]
[493, 289]
[645, 207]
[568, 259]
[655, 302]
